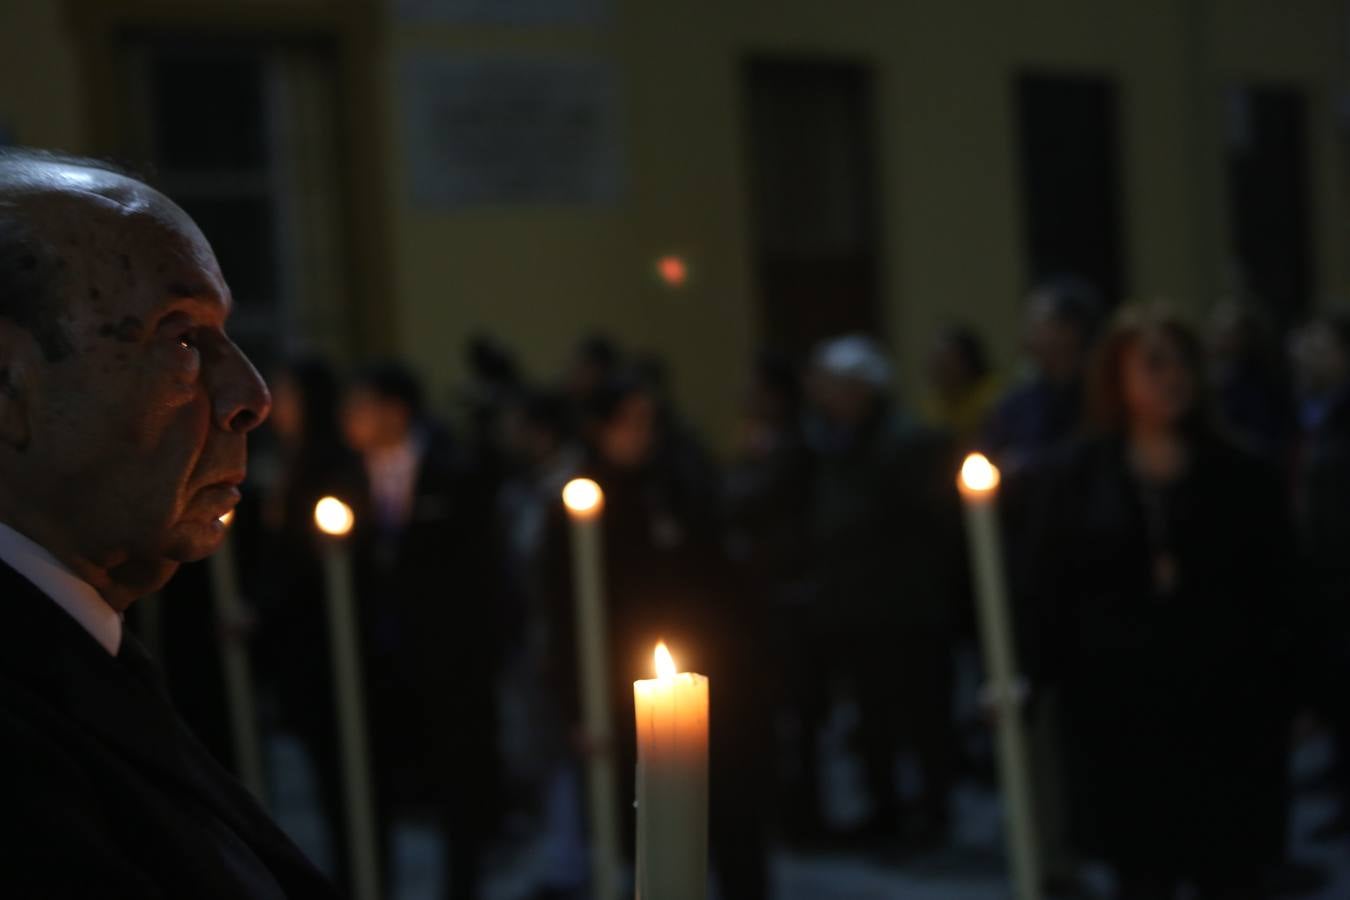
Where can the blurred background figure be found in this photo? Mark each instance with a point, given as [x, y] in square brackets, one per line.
[667, 578]
[1252, 391]
[1321, 353]
[1163, 559]
[309, 461]
[1047, 407]
[494, 382]
[545, 455]
[961, 389]
[429, 617]
[768, 489]
[1323, 372]
[768, 495]
[595, 360]
[886, 557]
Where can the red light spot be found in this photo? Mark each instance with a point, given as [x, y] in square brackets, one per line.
[673, 270]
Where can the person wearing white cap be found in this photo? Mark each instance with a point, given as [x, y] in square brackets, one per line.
[886, 551]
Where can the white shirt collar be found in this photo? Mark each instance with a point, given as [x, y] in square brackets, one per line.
[74, 595]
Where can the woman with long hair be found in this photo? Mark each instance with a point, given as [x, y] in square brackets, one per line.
[1162, 566]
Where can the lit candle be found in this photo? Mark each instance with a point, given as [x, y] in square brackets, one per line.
[672, 783]
[979, 490]
[335, 519]
[585, 501]
[235, 664]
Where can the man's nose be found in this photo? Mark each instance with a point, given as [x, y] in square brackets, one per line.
[240, 400]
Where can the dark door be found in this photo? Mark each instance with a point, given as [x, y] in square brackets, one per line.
[1069, 138]
[1268, 198]
[813, 184]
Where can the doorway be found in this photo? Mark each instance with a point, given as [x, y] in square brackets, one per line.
[814, 200]
[1266, 156]
[1069, 137]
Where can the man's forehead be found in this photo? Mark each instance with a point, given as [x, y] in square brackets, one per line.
[105, 198]
[113, 222]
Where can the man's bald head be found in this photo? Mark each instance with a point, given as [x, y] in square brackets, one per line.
[32, 267]
[123, 402]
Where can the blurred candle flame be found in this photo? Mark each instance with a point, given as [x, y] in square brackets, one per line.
[333, 517]
[227, 519]
[665, 663]
[978, 474]
[583, 497]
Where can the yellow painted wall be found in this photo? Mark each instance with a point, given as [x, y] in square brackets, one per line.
[952, 213]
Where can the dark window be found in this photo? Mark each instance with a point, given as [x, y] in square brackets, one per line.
[1070, 158]
[1268, 198]
[814, 188]
[242, 231]
[209, 111]
[208, 137]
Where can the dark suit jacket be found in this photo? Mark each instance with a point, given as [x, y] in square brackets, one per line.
[105, 793]
[429, 612]
[1169, 699]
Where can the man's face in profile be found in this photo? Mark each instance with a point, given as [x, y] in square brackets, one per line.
[136, 429]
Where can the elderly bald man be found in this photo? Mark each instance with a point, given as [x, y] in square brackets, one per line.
[124, 411]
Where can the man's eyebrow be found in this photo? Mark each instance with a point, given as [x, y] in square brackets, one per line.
[200, 294]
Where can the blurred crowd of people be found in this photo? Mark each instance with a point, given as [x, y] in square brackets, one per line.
[1174, 501]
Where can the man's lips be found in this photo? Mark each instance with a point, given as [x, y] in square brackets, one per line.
[217, 499]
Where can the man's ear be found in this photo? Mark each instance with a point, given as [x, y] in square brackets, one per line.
[16, 356]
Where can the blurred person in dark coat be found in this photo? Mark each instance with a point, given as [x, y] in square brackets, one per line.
[545, 456]
[886, 551]
[124, 418]
[595, 361]
[961, 389]
[1322, 357]
[493, 385]
[667, 577]
[286, 580]
[1046, 409]
[768, 487]
[1162, 567]
[1253, 395]
[429, 617]
[768, 510]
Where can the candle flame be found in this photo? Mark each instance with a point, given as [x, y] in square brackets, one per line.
[227, 519]
[583, 497]
[665, 663]
[334, 517]
[978, 474]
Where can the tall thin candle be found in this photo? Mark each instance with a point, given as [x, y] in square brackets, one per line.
[978, 483]
[335, 519]
[585, 503]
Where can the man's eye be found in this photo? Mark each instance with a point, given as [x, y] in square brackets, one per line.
[187, 341]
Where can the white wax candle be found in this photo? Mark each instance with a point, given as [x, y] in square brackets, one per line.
[672, 783]
[335, 520]
[585, 501]
[979, 490]
[235, 664]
